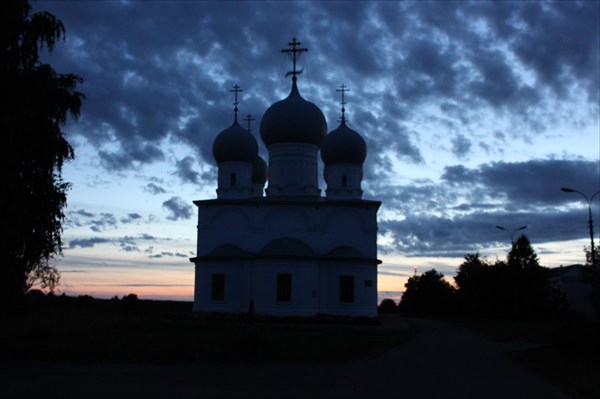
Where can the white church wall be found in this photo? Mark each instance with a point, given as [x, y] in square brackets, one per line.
[364, 302]
[322, 227]
[233, 300]
[316, 229]
[304, 293]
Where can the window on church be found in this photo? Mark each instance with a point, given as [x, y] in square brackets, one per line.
[344, 181]
[217, 292]
[232, 179]
[347, 289]
[284, 287]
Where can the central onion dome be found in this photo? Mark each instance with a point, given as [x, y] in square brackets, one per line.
[235, 144]
[343, 146]
[293, 120]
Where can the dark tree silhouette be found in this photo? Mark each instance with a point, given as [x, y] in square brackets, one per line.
[37, 102]
[481, 286]
[387, 305]
[427, 294]
[593, 274]
[517, 288]
[522, 255]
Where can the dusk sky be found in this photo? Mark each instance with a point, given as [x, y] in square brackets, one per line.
[475, 115]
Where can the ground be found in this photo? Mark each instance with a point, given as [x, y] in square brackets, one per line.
[442, 360]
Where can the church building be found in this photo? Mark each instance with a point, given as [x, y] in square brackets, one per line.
[287, 250]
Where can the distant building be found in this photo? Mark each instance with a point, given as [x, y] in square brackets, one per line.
[291, 252]
[572, 284]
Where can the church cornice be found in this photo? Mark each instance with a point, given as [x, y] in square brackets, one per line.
[313, 258]
[262, 201]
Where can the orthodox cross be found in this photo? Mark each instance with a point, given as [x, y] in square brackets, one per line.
[249, 119]
[236, 89]
[343, 90]
[295, 50]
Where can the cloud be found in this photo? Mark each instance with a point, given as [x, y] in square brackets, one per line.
[528, 184]
[88, 242]
[459, 214]
[168, 254]
[185, 171]
[521, 62]
[461, 146]
[83, 212]
[178, 209]
[106, 221]
[131, 218]
[154, 189]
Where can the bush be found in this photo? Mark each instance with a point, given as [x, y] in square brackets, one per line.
[387, 306]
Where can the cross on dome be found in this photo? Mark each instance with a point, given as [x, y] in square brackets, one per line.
[236, 89]
[295, 51]
[249, 119]
[343, 90]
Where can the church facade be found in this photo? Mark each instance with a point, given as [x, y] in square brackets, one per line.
[287, 250]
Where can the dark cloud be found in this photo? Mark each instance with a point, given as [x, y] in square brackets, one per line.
[88, 242]
[106, 221]
[461, 146]
[461, 213]
[83, 212]
[528, 184]
[178, 208]
[154, 189]
[131, 218]
[185, 171]
[456, 236]
[126, 243]
[131, 156]
[149, 78]
[168, 254]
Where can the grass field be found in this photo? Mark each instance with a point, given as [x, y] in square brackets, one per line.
[89, 330]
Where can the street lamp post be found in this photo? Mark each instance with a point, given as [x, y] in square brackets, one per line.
[511, 233]
[590, 222]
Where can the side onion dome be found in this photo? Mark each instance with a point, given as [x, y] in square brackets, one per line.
[259, 171]
[235, 144]
[293, 120]
[343, 145]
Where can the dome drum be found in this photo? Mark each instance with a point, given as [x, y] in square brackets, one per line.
[293, 170]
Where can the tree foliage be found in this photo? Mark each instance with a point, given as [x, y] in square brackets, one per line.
[522, 255]
[37, 103]
[427, 294]
[517, 288]
[593, 265]
[387, 305]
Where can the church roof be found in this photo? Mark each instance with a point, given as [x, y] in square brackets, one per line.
[235, 144]
[293, 120]
[343, 145]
